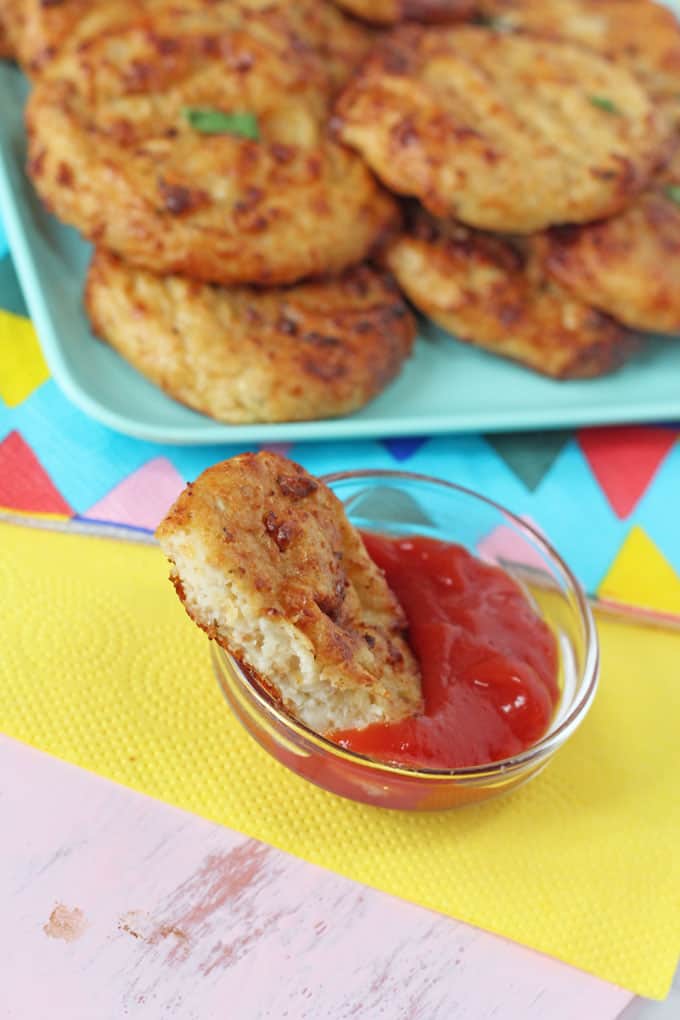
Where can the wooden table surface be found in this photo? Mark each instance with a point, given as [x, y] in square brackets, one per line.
[115, 905]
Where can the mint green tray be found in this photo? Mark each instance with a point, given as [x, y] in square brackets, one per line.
[445, 387]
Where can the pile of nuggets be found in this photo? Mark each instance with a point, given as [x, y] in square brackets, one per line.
[270, 183]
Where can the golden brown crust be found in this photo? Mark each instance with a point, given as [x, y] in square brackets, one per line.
[40, 31]
[628, 265]
[341, 42]
[639, 34]
[315, 350]
[24, 21]
[391, 12]
[6, 48]
[111, 151]
[492, 293]
[281, 541]
[505, 132]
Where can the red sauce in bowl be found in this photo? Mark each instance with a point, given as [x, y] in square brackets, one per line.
[489, 662]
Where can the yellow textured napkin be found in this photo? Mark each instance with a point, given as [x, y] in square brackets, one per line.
[100, 666]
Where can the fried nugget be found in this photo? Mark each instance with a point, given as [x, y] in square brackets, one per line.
[505, 132]
[199, 150]
[390, 12]
[41, 30]
[629, 265]
[638, 34]
[492, 293]
[266, 562]
[242, 355]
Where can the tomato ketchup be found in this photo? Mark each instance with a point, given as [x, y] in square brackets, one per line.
[488, 661]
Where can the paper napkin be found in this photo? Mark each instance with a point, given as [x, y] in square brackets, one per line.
[99, 665]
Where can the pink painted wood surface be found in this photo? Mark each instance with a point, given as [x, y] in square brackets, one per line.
[115, 905]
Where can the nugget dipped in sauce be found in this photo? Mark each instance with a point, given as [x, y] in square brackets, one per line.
[266, 562]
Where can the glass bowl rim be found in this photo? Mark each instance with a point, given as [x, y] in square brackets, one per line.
[543, 748]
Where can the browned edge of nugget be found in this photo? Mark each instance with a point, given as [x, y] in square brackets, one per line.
[628, 265]
[241, 354]
[492, 292]
[391, 12]
[6, 48]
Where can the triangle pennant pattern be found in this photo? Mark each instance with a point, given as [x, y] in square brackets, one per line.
[625, 460]
[504, 545]
[12, 297]
[25, 486]
[404, 448]
[529, 455]
[22, 366]
[641, 575]
[141, 499]
[283, 449]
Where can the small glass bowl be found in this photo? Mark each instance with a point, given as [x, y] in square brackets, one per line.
[398, 503]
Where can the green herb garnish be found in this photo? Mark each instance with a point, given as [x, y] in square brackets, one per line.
[209, 121]
[672, 191]
[603, 103]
